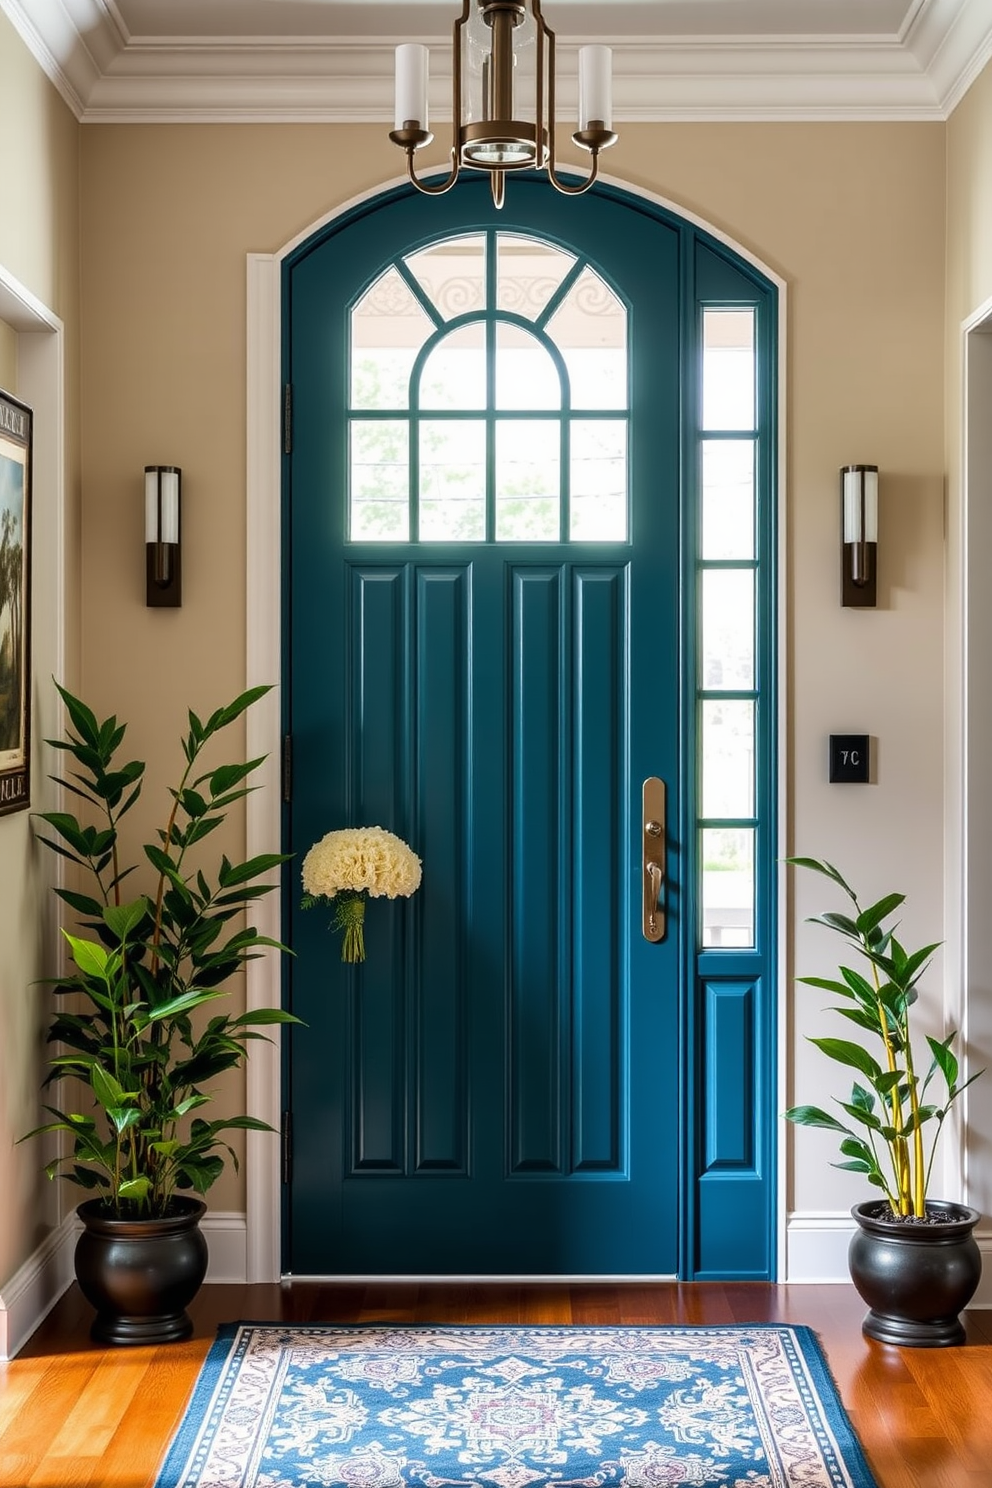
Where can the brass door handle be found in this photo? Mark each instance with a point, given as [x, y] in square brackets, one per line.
[653, 858]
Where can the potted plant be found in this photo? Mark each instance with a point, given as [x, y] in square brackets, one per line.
[129, 1024]
[913, 1259]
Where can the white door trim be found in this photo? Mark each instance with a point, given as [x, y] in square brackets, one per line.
[264, 660]
[968, 741]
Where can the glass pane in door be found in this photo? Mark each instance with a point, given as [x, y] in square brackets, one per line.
[528, 480]
[452, 480]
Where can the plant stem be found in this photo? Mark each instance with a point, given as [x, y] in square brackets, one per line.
[350, 917]
[160, 895]
[900, 1152]
[919, 1184]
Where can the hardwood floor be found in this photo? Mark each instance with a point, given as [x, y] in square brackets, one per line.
[74, 1415]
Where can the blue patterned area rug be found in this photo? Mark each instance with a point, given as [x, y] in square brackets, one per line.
[387, 1406]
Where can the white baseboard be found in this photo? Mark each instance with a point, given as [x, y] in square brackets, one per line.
[32, 1291]
[816, 1250]
[816, 1244]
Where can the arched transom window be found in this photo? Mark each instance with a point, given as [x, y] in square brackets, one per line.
[488, 398]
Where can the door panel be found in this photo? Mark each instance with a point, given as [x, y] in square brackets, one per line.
[501, 1087]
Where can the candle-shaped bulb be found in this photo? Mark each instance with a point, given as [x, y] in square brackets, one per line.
[595, 86]
[412, 71]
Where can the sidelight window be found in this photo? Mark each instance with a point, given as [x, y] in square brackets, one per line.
[727, 675]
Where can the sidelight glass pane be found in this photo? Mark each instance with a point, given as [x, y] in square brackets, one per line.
[728, 369]
[454, 374]
[728, 757]
[528, 480]
[526, 376]
[728, 886]
[452, 274]
[379, 496]
[728, 498]
[527, 273]
[388, 328]
[598, 497]
[728, 629]
[590, 330]
[453, 480]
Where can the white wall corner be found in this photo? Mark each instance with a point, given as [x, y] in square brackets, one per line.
[32, 1292]
[226, 1235]
[35, 1288]
[72, 49]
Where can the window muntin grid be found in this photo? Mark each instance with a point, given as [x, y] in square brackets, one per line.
[525, 346]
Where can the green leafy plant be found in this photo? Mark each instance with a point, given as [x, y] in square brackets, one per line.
[147, 965]
[890, 1110]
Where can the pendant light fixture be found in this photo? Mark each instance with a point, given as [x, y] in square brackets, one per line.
[503, 97]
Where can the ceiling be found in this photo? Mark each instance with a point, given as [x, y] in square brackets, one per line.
[258, 60]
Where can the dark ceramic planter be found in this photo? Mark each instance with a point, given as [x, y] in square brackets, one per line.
[141, 1274]
[915, 1278]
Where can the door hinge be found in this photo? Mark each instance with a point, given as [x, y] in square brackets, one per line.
[287, 419]
[287, 1146]
[287, 767]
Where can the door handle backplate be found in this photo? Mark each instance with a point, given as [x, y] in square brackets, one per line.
[653, 858]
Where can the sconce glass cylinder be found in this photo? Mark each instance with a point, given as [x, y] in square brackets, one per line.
[163, 530]
[859, 538]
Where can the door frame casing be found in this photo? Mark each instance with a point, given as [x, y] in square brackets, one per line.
[968, 859]
[264, 663]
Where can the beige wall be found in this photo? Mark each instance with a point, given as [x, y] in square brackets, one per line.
[39, 247]
[850, 215]
[8, 357]
[39, 137]
[969, 212]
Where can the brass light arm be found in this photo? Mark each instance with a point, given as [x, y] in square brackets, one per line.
[412, 137]
[397, 137]
[594, 138]
[582, 186]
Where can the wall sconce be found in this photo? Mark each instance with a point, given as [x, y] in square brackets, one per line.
[859, 504]
[163, 554]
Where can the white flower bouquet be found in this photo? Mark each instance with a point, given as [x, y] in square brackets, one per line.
[346, 866]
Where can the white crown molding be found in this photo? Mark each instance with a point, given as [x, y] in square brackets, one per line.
[952, 41]
[351, 81]
[109, 76]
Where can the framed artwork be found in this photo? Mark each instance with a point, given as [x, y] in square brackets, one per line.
[15, 604]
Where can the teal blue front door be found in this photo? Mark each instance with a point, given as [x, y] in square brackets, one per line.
[488, 656]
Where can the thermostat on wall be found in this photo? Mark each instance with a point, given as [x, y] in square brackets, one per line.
[849, 759]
